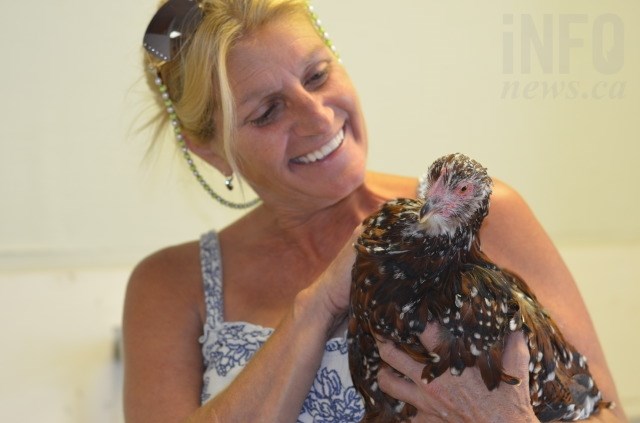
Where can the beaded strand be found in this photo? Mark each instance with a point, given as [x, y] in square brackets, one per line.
[317, 23]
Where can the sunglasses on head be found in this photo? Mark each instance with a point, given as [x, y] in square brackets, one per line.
[169, 28]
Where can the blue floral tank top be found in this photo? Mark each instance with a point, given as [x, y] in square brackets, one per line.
[228, 346]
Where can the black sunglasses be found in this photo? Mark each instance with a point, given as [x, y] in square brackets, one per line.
[169, 28]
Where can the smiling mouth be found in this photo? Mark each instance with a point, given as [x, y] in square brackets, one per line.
[322, 152]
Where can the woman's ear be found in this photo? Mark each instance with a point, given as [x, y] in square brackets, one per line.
[210, 154]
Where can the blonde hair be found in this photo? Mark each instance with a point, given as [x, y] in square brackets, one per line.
[196, 79]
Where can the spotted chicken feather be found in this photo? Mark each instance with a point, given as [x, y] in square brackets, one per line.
[420, 261]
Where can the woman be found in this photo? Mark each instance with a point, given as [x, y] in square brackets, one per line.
[254, 89]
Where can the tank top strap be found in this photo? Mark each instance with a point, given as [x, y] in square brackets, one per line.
[211, 263]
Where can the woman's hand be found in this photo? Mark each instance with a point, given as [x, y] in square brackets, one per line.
[333, 286]
[462, 398]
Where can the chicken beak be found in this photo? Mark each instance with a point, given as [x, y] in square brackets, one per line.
[425, 212]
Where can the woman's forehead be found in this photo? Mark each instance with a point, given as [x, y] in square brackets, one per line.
[281, 38]
[282, 46]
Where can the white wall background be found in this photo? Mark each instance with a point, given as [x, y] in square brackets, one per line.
[80, 206]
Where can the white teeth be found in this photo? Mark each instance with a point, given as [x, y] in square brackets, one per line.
[323, 151]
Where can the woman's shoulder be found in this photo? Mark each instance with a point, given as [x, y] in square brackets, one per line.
[172, 272]
[504, 193]
[508, 208]
[168, 261]
[512, 235]
[391, 186]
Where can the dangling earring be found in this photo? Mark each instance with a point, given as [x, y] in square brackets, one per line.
[228, 182]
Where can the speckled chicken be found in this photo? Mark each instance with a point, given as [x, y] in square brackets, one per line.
[420, 261]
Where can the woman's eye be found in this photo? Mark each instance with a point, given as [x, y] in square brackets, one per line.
[317, 79]
[266, 117]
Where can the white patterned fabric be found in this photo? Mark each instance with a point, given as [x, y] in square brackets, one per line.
[228, 346]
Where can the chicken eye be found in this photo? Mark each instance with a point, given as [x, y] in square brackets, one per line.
[463, 188]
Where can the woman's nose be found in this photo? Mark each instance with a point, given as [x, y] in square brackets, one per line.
[313, 115]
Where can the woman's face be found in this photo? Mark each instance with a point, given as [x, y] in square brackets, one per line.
[300, 136]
